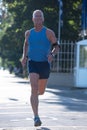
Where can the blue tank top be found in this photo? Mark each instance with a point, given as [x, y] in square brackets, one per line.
[39, 45]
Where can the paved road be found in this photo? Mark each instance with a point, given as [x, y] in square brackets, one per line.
[60, 108]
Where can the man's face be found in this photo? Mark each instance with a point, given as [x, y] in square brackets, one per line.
[38, 19]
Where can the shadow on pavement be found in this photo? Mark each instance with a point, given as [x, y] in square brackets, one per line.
[13, 99]
[43, 128]
[74, 99]
[23, 82]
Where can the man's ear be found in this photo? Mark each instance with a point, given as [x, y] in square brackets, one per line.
[43, 20]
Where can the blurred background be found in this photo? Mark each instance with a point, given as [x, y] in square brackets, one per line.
[16, 18]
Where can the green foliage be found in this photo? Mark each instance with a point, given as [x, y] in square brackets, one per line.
[19, 19]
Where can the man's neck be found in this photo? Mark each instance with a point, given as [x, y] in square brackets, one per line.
[38, 28]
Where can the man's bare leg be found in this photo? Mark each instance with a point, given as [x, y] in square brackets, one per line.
[41, 86]
[34, 97]
[34, 92]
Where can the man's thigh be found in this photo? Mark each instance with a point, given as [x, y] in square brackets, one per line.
[41, 86]
[34, 78]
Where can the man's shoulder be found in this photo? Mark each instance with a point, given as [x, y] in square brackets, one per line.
[27, 32]
[50, 32]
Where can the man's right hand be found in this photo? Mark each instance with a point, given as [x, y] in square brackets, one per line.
[23, 61]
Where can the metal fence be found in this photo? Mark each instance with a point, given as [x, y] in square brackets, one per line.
[64, 61]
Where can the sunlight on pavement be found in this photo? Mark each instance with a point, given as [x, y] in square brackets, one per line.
[10, 89]
[17, 89]
[48, 128]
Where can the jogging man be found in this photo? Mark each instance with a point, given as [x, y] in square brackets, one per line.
[37, 45]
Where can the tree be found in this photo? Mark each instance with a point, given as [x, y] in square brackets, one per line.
[20, 19]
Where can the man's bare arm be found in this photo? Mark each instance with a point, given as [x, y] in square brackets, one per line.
[55, 46]
[25, 49]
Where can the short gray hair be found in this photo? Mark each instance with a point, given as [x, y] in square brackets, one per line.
[38, 11]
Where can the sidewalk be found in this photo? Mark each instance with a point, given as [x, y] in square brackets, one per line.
[49, 128]
[61, 108]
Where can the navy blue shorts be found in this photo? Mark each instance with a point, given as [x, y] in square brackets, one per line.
[41, 68]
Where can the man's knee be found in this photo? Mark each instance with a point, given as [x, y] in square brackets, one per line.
[34, 91]
[41, 92]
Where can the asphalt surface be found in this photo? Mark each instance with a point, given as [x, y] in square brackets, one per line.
[60, 108]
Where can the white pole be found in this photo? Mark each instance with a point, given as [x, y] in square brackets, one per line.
[60, 14]
[59, 25]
